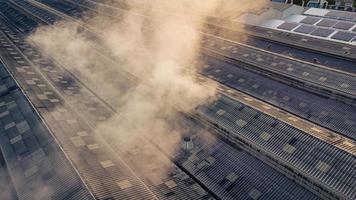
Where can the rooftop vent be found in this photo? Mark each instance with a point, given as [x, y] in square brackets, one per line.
[187, 144]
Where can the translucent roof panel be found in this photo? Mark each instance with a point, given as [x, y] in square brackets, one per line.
[316, 12]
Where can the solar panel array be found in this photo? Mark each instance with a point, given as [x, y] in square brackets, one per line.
[325, 28]
[293, 69]
[333, 115]
[235, 174]
[37, 165]
[250, 178]
[107, 176]
[337, 24]
[303, 153]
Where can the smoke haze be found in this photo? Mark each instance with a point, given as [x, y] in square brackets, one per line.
[146, 70]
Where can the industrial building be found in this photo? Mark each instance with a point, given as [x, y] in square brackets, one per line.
[283, 124]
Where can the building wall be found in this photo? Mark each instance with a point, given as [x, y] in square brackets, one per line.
[253, 19]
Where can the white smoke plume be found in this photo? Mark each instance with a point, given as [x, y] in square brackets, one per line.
[158, 52]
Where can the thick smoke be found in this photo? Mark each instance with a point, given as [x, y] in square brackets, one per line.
[152, 78]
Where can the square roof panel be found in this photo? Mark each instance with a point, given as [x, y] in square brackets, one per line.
[305, 29]
[322, 32]
[310, 20]
[344, 25]
[287, 26]
[343, 36]
[334, 13]
[327, 23]
[316, 12]
[350, 15]
[342, 15]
